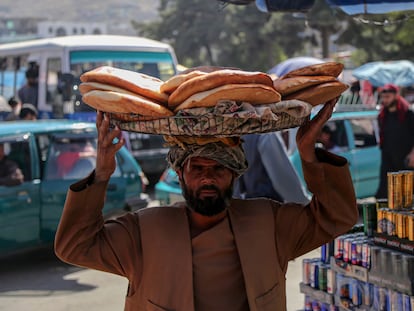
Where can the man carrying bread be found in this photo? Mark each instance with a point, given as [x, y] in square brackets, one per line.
[210, 252]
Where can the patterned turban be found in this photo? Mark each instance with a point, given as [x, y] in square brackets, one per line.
[231, 157]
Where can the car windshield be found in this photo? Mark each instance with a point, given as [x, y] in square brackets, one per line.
[71, 158]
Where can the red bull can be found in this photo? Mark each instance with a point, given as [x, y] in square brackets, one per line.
[306, 271]
[339, 247]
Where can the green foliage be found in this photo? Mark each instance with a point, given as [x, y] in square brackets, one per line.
[203, 33]
[381, 40]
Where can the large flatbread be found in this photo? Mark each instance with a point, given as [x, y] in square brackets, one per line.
[132, 81]
[174, 82]
[86, 87]
[255, 94]
[215, 79]
[320, 93]
[333, 69]
[291, 85]
[114, 102]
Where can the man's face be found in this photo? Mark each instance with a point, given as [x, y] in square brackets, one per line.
[207, 185]
[388, 99]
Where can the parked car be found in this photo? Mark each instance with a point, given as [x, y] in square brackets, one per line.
[150, 152]
[45, 151]
[355, 135]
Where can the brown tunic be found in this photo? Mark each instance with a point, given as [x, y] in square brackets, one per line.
[154, 250]
[218, 279]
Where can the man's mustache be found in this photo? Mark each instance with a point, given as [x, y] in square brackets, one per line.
[208, 187]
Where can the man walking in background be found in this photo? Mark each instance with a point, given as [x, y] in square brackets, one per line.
[396, 123]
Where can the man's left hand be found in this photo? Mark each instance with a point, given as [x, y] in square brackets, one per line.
[309, 132]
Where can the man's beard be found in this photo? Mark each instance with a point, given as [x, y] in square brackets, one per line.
[208, 206]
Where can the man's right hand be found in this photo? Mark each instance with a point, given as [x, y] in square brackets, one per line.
[107, 147]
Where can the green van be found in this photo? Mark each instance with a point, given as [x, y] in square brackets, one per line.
[48, 152]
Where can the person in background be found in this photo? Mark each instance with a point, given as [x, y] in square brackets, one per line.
[16, 106]
[270, 173]
[10, 173]
[28, 112]
[396, 125]
[28, 93]
[326, 140]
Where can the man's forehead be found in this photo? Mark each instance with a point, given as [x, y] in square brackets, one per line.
[201, 161]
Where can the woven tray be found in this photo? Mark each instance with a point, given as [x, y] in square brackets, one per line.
[233, 123]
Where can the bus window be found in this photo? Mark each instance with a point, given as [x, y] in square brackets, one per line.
[53, 96]
[157, 64]
[12, 75]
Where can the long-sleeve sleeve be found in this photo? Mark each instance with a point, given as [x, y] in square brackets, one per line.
[331, 212]
[83, 237]
[280, 170]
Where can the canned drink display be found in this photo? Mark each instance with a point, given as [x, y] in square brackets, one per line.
[401, 224]
[322, 277]
[368, 294]
[347, 250]
[366, 255]
[381, 221]
[391, 217]
[330, 281]
[384, 299]
[410, 227]
[306, 271]
[406, 303]
[314, 274]
[356, 293]
[407, 188]
[324, 253]
[339, 247]
[308, 303]
[394, 190]
[396, 301]
[369, 211]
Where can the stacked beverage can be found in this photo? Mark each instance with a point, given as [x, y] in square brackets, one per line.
[381, 220]
[306, 271]
[401, 224]
[410, 227]
[391, 222]
[407, 188]
[369, 211]
[330, 281]
[395, 200]
[322, 277]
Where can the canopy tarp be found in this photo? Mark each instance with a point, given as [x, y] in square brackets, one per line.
[399, 72]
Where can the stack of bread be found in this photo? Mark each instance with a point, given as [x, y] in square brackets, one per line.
[131, 96]
[315, 84]
[197, 89]
[124, 93]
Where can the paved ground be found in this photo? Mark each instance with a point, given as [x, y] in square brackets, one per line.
[42, 282]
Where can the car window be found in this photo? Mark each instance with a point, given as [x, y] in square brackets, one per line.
[364, 132]
[333, 137]
[18, 151]
[70, 157]
[139, 141]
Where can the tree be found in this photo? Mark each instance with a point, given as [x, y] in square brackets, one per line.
[202, 33]
[390, 39]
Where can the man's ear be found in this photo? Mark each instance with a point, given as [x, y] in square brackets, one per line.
[179, 173]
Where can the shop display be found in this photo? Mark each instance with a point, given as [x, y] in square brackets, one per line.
[371, 268]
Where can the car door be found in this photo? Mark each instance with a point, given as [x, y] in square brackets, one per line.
[70, 157]
[366, 155]
[20, 204]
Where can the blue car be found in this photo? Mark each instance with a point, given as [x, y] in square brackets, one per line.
[354, 135]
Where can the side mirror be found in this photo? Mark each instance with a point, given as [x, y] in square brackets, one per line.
[65, 87]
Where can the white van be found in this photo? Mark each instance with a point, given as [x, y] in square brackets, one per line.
[61, 60]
